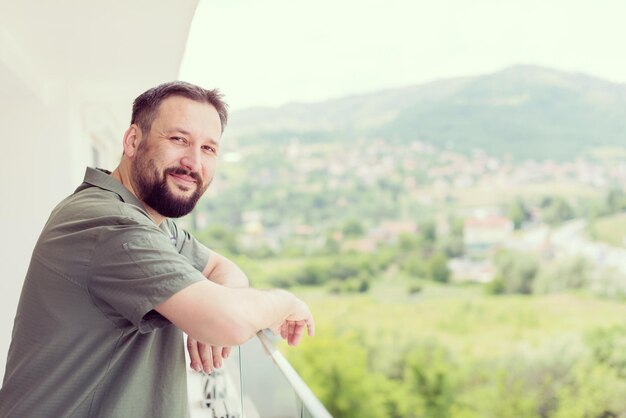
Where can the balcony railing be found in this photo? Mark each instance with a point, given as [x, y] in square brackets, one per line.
[255, 382]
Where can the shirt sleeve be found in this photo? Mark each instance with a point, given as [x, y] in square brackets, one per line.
[137, 267]
[188, 246]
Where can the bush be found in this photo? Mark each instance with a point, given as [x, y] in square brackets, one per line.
[414, 289]
[496, 286]
[609, 283]
[281, 282]
[569, 274]
[352, 285]
[313, 273]
[608, 346]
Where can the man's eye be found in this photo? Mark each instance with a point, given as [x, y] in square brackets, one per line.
[177, 139]
[210, 149]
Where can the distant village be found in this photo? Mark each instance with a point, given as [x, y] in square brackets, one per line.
[476, 189]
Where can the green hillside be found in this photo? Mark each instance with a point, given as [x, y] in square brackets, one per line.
[528, 112]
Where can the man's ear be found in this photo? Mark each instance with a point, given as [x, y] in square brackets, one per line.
[132, 138]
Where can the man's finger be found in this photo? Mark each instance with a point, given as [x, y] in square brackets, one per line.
[194, 357]
[217, 356]
[292, 325]
[226, 352]
[290, 334]
[298, 329]
[206, 355]
[284, 330]
[310, 326]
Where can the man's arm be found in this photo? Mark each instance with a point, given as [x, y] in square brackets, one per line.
[207, 356]
[224, 316]
[221, 270]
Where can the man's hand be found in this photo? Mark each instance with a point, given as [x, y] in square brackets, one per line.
[292, 328]
[206, 357]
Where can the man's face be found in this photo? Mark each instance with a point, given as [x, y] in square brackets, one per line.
[175, 161]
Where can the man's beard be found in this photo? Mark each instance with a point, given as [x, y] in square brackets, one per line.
[152, 188]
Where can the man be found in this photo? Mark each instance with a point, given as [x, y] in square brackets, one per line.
[113, 282]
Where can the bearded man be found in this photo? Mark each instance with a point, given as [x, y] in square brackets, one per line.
[113, 282]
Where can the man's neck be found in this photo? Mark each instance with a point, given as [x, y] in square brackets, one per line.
[122, 174]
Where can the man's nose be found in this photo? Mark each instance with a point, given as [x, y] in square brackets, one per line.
[192, 160]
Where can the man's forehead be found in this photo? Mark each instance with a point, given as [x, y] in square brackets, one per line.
[174, 104]
[179, 110]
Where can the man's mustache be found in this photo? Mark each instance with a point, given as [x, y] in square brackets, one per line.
[184, 172]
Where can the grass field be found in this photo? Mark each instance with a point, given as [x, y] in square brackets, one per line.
[463, 318]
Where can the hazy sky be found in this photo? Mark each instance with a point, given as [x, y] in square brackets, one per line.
[269, 52]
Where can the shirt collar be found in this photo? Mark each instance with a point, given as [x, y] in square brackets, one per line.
[102, 178]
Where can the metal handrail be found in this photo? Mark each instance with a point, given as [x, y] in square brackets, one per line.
[310, 401]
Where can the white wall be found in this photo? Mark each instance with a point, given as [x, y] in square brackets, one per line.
[34, 143]
[68, 74]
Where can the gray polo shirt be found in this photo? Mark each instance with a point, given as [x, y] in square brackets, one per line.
[86, 339]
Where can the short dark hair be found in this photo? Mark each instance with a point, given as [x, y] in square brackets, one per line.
[146, 105]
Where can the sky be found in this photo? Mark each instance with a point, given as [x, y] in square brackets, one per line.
[272, 52]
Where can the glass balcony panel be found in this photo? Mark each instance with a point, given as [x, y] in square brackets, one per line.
[255, 382]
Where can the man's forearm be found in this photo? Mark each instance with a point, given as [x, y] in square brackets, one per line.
[224, 316]
[222, 271]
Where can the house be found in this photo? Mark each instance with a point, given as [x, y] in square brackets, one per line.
[389, 231]
[482, 234]
[467, 270]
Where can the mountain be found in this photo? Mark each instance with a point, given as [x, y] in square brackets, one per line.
[526, 111]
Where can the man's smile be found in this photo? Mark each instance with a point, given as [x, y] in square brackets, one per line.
[183, 179]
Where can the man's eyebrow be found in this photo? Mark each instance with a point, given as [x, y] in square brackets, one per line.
[179, 130]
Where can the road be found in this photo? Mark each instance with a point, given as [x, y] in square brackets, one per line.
[570, 239]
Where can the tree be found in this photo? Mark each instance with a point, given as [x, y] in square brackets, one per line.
[313, 273]
[452, 246]
[438, 268]
[335, 368]
[409, 242]
[427, 232]
[219, 238]
[415, 267]
[353, 229]
[429, 375]
[518, 213]
[515, 272]
[616, 200]
[555, 210]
